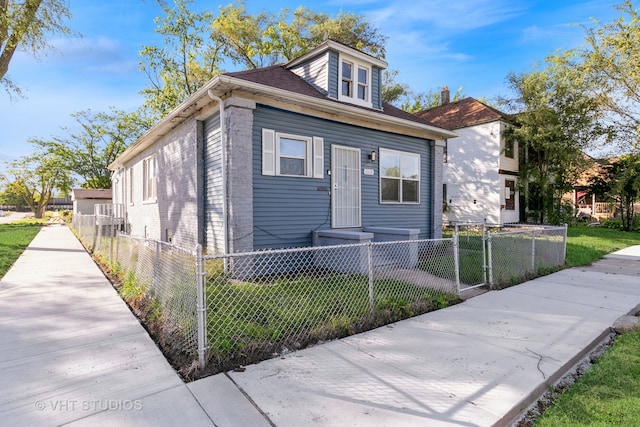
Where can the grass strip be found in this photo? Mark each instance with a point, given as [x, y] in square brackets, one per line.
[608, 394]
[14, 238]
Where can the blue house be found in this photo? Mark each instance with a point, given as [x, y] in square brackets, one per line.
[268, 158]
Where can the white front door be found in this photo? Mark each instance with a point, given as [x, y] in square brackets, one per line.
[345, 183]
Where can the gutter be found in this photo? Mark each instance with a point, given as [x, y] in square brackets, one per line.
[225, 84]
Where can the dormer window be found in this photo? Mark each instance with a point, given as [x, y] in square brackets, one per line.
[355, 81]
[363, 84]
[347, 79]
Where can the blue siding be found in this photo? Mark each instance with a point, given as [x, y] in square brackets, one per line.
[213, 197]
[333, 74]
[376, 89]
[288, 209]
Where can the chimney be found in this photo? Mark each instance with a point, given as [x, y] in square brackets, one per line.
[445, 95]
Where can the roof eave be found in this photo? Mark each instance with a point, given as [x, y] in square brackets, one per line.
[222, 84]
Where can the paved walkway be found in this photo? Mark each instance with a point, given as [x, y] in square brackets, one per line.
[72, 353]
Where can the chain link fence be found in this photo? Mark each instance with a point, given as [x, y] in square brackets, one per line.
[501, 255]
[516, 254]
[234, 309]
[269, 302]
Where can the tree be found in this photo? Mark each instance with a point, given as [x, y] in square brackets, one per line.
[35, 177]
[102, 138]
[197, 45]
[608, 66]
[26, 25]
[621, 185]
[555, 121]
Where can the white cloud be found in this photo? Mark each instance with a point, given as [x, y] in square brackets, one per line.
[453, 16]
[102, 54]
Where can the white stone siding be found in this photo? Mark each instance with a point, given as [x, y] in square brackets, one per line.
[239, 137]
[174, 215]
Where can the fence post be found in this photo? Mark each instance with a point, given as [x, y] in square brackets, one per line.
[111, 237]
[370, 273]
[490, 259]
[563, 256]
[117, 245]
[201, 310]
[456, 257]
[533, 251]
[485, 267]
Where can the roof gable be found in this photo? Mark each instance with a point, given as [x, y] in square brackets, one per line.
[464, 113]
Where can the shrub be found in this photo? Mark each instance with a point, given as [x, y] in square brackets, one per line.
[613, 223]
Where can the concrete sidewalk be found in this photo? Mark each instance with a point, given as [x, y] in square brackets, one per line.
[72, 353]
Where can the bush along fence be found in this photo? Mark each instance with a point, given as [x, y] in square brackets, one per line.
[224, 311]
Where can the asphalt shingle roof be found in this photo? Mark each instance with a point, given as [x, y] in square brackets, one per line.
[278, 76]
[460, 114]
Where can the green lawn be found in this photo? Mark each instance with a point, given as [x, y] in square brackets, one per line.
[608, 394]
[14, 238]
[588, 244]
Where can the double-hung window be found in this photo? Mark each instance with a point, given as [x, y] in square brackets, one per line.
[363, 84]
[286, 154]
[293, 155]
[150, 179]
[347, 79]
[399, 177]
[355, 82]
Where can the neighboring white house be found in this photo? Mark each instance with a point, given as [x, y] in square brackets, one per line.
[480, 171]
[84, 199]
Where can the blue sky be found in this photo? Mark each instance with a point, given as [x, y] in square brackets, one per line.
[471, 44]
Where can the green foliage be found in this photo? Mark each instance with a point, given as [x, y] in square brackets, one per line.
[556, 119]
[35, 177]
[607, 64]
[401, 95]
[14, 238]
[612, 223]
[608, 394]
[197, 45]
[25, 25]
[102, 138]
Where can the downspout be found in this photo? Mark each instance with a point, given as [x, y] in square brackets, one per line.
[225, 214]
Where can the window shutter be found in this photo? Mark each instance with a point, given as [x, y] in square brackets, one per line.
[268, 152]
[318, 157]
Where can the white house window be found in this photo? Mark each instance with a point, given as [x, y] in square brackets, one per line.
[363, 84]
[131, 186]
[347, 79]
[150, 179]
[355, 82]
[292, 155]
[399, 177]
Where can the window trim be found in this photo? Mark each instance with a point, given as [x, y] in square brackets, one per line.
[131, 185]
[356, 65]
[308, 154]
[384, 151]
[510, 202]
[146, 180]
[314, 154]
[509, 149]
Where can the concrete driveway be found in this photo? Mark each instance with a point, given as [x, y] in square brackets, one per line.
[13, 216]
